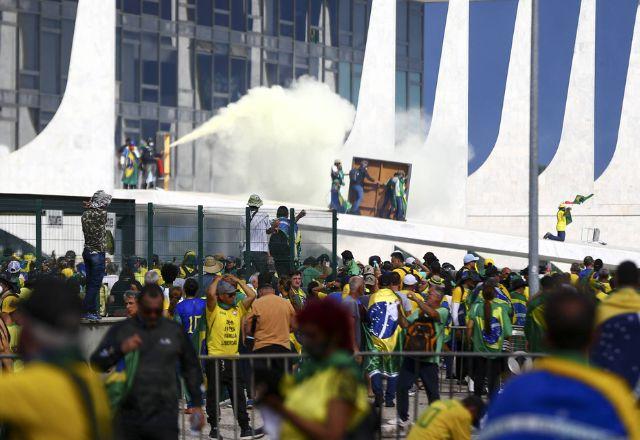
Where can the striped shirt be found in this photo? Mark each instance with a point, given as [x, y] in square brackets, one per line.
[259, 238]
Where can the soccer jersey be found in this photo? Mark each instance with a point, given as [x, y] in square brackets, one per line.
[190, 314]
[443, 419]
[223, 335]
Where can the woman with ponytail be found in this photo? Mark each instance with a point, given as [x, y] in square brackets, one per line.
[488, 324]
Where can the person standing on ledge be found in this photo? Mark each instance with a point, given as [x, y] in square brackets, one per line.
[94, 228]
[356, 178]
[564, 219]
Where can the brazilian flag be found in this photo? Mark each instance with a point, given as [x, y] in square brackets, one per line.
[580, 199]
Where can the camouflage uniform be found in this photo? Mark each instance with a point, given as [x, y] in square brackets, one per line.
[94, 223]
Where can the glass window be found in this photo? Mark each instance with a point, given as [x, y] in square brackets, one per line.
[302, 7]
[28, 25]
[315, 12]
[286, 10]
[286, 75]
[270, 17]
[203, 80]
[271, 73]
[415, 31]
[130, 72]
[355, 86]
[150, 7]
[222, 19]
[150, 95]
[345, 16]
[331, 26]
[150, 73]
[401, 91]
[359, 23]
[224, 4]
[149, 128]
[344, 80]
[204, 13]
[415, 90]
[286, 30]
[165, 9]
[50, 58]
[238, 15]
[221, 73]
[168, 77]
[401, 22]
[65, 49]
[238, 80]
[131, 6]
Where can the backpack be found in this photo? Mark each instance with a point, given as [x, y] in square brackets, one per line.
[421, 336]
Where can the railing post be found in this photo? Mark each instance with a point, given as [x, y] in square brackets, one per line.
[292, 239]
[38, 212]
[200, 242]
[149, 233]
[247, 241]
[334, 241]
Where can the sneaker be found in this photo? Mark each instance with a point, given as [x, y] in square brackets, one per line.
[546, 236]
[395, 430]
[398, 421]
[389, 404]
[91, 317]
[249, 403]
[248, 433]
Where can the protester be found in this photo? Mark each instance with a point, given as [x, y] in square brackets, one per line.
[94, 221]
[519, 299]
[150, 409]
[350, 264]
[351, 303]
[130, 164]
[279, 241]
[563, 220]
[326, 398]
[468, 264]
[448, 419]
[338, 203]
[488, 325]
[618, 328]
[131, 303]
[225, 312]
[189, 266]
[56, 395]
[400, 195]
[357, 177]
[296, 295]
[211, 268]
[149, 164]
[259, 244]
[269, 322]
[385, 319]
[425, 333]
[564, 397]
[401, 268]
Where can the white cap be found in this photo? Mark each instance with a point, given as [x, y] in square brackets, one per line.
[410, 260]
[13, 266]
[410, 280]
[469, 258]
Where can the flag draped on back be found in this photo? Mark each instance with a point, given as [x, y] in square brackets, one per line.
[384, 333]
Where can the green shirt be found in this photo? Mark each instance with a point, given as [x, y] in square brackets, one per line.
[439, 327]
[309, 274]
[492, 341]
[535, 326]
[353, 268]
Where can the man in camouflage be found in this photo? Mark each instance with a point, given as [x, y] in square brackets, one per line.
[94, 222]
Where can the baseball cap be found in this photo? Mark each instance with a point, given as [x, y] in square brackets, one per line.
[469, 258]
[369, 280]
[410, 280]
[225, 287]
[13, 266]
[410, 260]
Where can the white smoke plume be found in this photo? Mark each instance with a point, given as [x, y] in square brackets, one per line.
[277, 142]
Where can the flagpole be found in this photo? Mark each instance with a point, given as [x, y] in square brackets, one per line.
[534, 257]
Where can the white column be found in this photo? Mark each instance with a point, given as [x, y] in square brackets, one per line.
[503, 176]
[438, 178]
[571, 170]
[73, 155]
[373, 132]
[619, 184]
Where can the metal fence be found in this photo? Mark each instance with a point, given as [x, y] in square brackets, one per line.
[149, 235]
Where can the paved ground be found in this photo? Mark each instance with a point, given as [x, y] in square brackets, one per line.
[447, 390]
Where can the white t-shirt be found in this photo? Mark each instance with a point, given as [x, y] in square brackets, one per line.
[259, 237]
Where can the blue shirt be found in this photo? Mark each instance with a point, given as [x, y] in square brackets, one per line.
[189, 312]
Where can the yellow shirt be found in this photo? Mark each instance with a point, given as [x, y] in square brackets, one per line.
[561, 225]
[574, 279]
[443, 420]
[42, 402]
[310, 398]
[224, 329]
[405, 270]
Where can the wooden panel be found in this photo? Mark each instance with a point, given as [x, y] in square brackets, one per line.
[374, 194]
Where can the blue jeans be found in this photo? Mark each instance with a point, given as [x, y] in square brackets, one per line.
[94, 264]
[560, 237]
[335, 201]
[359, 190]
[376, 385]
[399, 208]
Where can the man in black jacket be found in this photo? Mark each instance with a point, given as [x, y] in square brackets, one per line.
[150, 409]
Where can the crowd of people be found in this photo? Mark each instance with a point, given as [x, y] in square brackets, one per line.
[343, 345]
[141, 165]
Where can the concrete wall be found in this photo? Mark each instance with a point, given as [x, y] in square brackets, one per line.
[73, 154]
[439, 176]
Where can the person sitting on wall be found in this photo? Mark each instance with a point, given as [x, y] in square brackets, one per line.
[564, 219]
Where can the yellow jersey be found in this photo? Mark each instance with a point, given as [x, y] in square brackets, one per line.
[42, 401]
[561, 224]
[443, 420]
[223, 329]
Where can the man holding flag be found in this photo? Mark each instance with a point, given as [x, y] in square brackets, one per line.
[564, 218]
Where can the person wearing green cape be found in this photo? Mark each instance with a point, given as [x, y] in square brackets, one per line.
[338, 202]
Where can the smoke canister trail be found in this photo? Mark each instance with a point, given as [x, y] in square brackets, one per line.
[279, 142]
